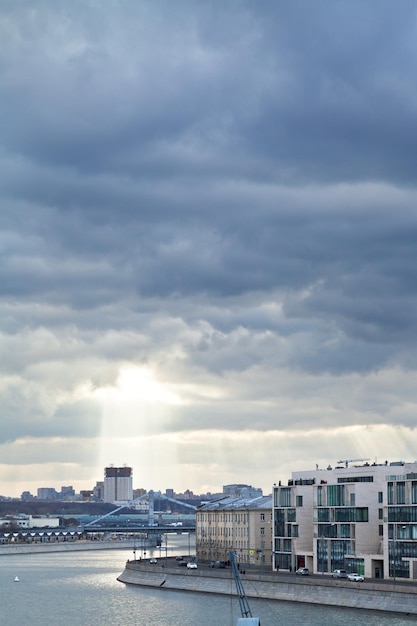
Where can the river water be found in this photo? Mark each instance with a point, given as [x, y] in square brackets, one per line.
[80, 589]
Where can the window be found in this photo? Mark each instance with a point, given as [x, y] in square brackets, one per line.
[401, 492]
[381, 530]
[262, 517]
[323, 515]
[345, 531]
[285, 496]
[335, 495]
[380, 497]
[299, 501]
[262, 530]
[351, 514]
[390, 490]
[320, 496]
[380, 513]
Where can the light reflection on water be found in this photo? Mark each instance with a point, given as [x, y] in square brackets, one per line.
[80, 589]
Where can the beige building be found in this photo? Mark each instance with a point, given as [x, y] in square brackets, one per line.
[357, 516]
[241, 525]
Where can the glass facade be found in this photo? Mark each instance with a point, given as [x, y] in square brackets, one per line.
[381, 536]
[352, 514]
[402, 514]
[335, 495]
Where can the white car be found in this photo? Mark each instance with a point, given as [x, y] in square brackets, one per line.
[303, 571]
[192, 565]
[356, 577]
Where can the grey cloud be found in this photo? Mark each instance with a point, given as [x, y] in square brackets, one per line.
[223, 193]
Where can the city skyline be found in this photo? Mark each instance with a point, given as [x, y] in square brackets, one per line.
[208, 240]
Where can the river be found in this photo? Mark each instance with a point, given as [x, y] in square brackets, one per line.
[80, 589]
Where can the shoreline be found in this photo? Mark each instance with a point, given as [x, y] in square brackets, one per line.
[70, 546]
[388, 597]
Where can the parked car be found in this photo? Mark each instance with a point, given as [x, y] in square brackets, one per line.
[192, 565]
[339, 573]
[153, 561]
[182, 563]
[303, 571]
[356, 577]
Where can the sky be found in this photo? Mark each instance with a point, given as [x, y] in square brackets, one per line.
[208, 239]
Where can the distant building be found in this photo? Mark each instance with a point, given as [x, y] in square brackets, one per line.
[47, 493]
[28, 521]
[67, 493]
[137, 493]
[118, 485]
[26, 496]
[241, 491]
[98, 491]
[86, 495]
[241, 525]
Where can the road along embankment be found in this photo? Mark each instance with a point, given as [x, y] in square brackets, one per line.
[389, 597]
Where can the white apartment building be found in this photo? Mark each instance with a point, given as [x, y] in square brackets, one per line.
[358, 517]
[241, 525]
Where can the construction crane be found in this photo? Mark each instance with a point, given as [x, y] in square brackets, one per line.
[347, 461]
[247, 618]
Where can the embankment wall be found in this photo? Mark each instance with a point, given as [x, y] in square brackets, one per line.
[368, 595]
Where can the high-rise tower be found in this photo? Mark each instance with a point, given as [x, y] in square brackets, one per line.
[118, 487]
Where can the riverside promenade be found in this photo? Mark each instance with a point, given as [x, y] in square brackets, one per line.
[379, 596]
[65, 546]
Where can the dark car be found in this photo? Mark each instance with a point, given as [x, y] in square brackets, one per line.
[303, 571]
[182, 563]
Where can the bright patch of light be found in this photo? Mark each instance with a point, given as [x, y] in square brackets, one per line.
[138, 384]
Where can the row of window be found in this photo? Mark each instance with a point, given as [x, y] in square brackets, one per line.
[402, 492]
[240, 518]
[345, 514]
